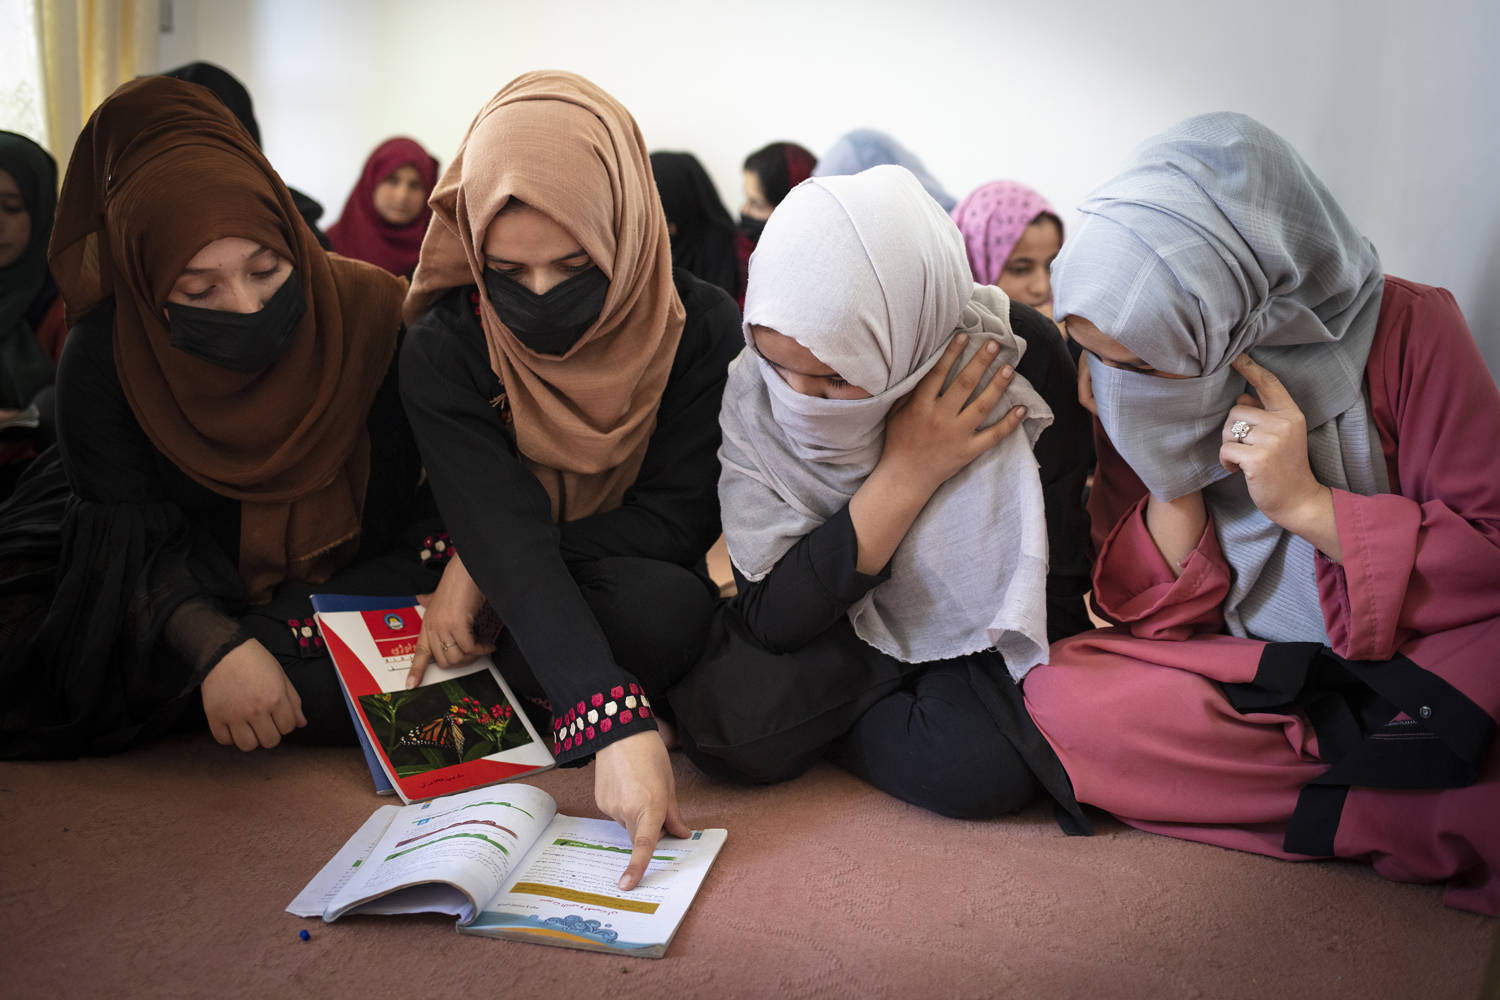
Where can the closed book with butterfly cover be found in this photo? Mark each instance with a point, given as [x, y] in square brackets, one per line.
[461, 728]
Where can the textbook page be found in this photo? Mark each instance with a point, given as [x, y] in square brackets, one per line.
[313, 900]
[566, 890]
[447, 855]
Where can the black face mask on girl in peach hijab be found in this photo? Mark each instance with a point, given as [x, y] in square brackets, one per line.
[552, 322]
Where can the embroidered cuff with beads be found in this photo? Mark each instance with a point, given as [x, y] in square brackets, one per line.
[601, 719]
[305, 632]
[436, 549]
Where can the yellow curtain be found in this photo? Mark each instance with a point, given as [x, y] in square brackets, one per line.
[90, 47]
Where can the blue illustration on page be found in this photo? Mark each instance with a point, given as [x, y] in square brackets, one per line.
[571, 925]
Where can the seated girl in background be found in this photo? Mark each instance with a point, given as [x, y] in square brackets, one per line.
[889, 535]
[1012, 235]
[32, 327]
[231, 434]
[564, 384]
[864, 148]
[1309, 594]
[769, 173]
[699, 225]
[386, 215]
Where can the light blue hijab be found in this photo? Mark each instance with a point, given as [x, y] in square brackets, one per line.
[867, 147]
[1217, 239]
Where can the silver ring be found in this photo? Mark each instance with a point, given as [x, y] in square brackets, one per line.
[1239, 430]
[449, 645]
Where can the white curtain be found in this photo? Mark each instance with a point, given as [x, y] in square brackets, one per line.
[21, 106]
[88, 48]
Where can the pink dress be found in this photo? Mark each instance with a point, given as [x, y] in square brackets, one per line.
[1381, 749]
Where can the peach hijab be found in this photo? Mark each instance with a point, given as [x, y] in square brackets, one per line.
[560, 144]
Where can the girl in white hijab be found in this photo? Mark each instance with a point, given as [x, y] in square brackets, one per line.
[886, 525]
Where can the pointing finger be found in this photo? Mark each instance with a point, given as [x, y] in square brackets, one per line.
[419, 661]
[643, 839]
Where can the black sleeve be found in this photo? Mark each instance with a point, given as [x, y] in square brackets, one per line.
[671, 512]
[185, 585]
[500, 516]
[399, 510]
[808, 589]
[1065, 452]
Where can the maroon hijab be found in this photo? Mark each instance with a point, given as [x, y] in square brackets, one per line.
[362, 234]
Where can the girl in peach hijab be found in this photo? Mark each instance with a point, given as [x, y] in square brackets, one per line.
[564, 384]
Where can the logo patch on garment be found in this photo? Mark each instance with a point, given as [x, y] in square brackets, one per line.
[395, 622]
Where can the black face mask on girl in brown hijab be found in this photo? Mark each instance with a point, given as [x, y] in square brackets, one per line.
[241, 342]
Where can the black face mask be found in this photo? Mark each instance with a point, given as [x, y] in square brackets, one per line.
[752, 228]
[241, 342]
[552, 322]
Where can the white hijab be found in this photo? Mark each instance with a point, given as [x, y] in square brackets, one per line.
[869, 274]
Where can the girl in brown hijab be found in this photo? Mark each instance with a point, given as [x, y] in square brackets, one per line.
[231, 436]
[564, 384]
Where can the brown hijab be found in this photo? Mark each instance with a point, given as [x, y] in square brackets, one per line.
[161, 170]
[566, 148]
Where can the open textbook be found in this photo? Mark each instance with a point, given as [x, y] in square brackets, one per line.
[507, 865]
[461, 728]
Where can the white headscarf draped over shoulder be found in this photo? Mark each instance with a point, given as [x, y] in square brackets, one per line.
[1217, 239]
[869, 274]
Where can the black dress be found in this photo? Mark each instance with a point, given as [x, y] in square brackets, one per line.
[119, 588]
[784, 679]
[601, 614]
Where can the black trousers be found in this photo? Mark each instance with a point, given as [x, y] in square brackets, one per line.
[932, 734]
[654, 615]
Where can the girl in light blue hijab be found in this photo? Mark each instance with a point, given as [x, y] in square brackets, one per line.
[867, 147]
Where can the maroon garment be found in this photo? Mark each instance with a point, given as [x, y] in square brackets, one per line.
[362, 234]
[1139, 714]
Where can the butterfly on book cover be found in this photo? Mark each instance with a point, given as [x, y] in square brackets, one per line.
[444, 731]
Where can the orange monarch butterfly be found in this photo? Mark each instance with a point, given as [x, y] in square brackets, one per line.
[444, 731]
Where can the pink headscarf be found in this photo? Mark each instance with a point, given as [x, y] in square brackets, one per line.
[992, 219]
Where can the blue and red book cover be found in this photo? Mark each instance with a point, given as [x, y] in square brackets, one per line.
[460, 728]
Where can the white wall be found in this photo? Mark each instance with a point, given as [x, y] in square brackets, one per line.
[1398, 110]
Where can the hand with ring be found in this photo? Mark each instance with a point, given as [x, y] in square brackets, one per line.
[1265, 437]
[447, 637]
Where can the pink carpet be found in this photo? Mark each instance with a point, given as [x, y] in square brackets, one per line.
[164, 872]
